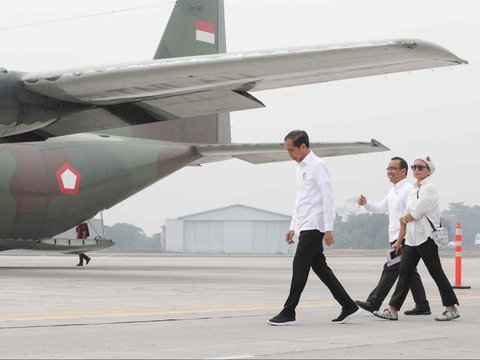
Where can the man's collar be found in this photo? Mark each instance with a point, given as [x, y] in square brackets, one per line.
[308, 158]
[400, 183]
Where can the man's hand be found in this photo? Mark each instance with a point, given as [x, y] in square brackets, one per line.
[397, 245]
[289, 237]
[328, 238]
[362, 200]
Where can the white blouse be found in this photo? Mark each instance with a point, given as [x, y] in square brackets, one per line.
[423, 203]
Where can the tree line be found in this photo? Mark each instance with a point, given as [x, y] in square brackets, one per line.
[356, 231]
[370, 231]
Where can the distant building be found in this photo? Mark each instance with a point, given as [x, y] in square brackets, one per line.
[232, 229]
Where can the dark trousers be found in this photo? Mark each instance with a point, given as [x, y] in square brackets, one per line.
[428, 252]
[386, 282]
[82, 257]
[309, 254]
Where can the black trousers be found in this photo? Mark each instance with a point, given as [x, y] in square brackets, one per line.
[387, 280]
[428, 252]
[81, 257]
[309, 254]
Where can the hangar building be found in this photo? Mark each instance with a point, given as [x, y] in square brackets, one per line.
[232, 229]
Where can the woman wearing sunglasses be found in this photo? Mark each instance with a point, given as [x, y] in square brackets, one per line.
[416, 229]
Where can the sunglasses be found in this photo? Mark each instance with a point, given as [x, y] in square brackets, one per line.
[418, 167]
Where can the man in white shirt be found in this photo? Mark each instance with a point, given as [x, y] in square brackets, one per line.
[313, 217]
[394, 204]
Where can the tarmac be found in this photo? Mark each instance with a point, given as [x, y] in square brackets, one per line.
[215, 307]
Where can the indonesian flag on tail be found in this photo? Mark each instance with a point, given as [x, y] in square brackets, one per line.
[205, 31]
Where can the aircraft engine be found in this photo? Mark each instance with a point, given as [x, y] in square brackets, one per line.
[23, 110]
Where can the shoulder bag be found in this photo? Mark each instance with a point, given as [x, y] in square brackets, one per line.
[439, 235]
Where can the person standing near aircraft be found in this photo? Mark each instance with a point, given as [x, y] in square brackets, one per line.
[394, 204]
[82, 233]
[422, 208]
[313, 217]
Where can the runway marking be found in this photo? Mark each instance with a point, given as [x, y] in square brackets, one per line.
[232, 357]
[180, 310]
[152, 311]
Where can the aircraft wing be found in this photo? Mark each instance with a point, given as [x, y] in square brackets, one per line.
[199, 85]
[267, 153]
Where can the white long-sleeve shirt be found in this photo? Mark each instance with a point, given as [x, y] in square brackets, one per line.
[314, 209]
[423, 202]
[394, 205]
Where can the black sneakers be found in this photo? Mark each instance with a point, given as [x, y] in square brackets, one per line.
[346, 315]
[281, 320]
[87, 261]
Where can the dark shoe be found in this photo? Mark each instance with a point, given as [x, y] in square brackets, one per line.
[346, 315]
[418, 311]
[366, 305]
[87, 261]
[281, 320]
[79, 264]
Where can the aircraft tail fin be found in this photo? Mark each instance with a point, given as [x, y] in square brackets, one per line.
[196, 27]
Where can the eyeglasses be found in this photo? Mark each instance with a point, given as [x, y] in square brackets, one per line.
[418, 167]
[391, 168]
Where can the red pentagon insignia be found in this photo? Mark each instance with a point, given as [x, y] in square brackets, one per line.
[68, 179]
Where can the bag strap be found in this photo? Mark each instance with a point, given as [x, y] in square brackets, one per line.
[431, 224]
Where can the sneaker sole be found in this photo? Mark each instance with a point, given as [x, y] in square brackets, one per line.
[367, 309]
[416, 314]
[456, 317]
[287, 323]
[349, 317]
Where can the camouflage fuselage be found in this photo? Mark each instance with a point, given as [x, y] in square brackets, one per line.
[49, 187]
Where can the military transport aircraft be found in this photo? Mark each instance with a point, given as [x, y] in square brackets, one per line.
[74, 142]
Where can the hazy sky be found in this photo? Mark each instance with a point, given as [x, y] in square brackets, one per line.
[434, 112]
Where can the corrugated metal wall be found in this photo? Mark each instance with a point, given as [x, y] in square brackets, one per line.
[259, 237]
[235, 229]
